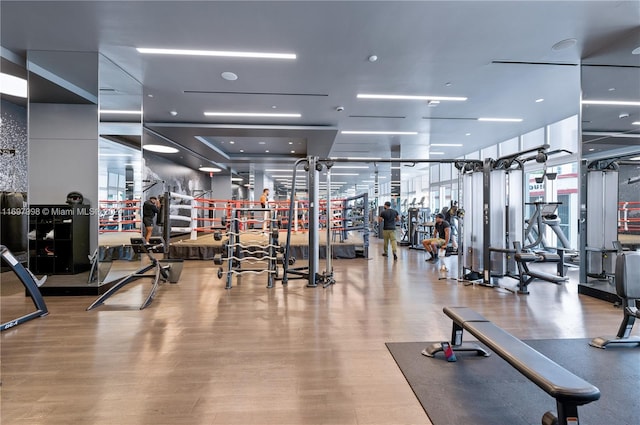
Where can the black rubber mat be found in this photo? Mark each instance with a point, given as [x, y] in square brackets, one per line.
[488, 391]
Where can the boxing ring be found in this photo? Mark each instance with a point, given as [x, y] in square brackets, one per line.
[199, 226]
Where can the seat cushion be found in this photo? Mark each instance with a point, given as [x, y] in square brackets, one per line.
[628, 275]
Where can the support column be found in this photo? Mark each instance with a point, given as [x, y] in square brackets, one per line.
[314, 235]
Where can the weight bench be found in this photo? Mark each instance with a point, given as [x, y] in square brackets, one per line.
[161, 270]
[627, 279]
[569, 390]
[526, 275]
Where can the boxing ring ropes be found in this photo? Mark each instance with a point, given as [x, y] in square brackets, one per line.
[192, 212]
[629, 217]
[293, 208]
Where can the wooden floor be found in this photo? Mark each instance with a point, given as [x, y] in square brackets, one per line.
[201, 354]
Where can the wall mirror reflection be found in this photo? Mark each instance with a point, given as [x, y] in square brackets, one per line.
[62, 188]
[119, 168]
[611, 165]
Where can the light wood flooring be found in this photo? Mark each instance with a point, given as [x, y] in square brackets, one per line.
[201, 354]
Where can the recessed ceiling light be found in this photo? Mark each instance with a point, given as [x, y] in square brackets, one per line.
[293, 151]
[12, 85]
[612, 89]
[210, 169]
[611, 102]
[159, 148]
[241, 150]
[564, 44]
[408, 97]
[291, 143]
[231, 142]
[221, 53]
[372, 58]
[635, 123]
[636, 51]
[149, 95]
[539, 100]
[173, 113]
[447, 144]
[380, 132]
[250, 114]
[447, 84]
[501, 119]
[229, 76]
[120, 112]
[267, 151]
[591, 149]
[611, 134]
[467, 134]
[262, 143]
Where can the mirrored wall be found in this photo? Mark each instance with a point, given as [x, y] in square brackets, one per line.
[119, 162]
[62, 161]
[611, 161]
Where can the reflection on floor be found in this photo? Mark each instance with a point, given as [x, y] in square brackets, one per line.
[200, 354]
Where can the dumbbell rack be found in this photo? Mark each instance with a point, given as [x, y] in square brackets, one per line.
[264, 247]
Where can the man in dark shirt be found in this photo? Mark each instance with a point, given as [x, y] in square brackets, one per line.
[442, 233]
[388, 217]
[149, 211]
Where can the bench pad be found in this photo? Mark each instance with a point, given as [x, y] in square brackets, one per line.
[555, 380]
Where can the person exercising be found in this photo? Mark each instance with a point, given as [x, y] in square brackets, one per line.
[388, 217]
[149, 210]
[442, 232]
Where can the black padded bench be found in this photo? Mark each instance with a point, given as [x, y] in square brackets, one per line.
[569, 390]
[526, 275]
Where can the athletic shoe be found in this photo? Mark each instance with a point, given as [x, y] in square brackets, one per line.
[395, 257]
[385, 254]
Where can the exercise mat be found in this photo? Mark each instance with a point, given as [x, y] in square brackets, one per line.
[488, 391]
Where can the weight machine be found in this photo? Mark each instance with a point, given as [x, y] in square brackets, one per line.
[600, 188]
[489, 232]
[420, 226]
[314, 165]
[169, 271]
[31, 284]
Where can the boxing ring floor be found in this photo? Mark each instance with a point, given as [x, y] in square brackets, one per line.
[117, 245]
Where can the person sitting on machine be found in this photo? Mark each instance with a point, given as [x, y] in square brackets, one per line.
[442, 233]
